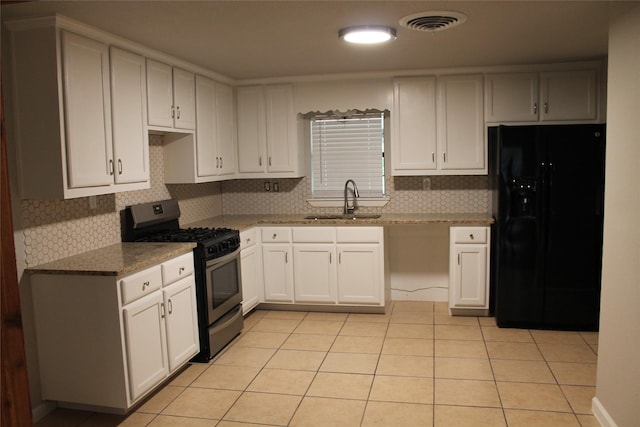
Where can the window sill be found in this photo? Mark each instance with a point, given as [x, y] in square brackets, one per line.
[339, 202]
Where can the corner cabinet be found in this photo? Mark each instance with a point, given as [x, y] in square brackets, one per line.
[90, 136]
[107, 342]
[469, 270]
[438, 126]
[549, 96]
[210, 153]
[268, 140]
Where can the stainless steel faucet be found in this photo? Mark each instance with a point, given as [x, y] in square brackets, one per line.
[354, 205]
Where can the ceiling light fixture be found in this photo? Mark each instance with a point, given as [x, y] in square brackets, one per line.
[367, 34]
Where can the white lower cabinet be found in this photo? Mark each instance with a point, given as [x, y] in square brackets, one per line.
[251, 269]
[469, 270]
[107, 342]
[323, 265]
[314, 272]
[359, 279]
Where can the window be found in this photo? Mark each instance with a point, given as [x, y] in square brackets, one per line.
[347, 147]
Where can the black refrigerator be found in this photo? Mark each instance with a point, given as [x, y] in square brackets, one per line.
[547, 185]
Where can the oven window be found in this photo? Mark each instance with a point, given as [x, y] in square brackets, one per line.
[225, 282]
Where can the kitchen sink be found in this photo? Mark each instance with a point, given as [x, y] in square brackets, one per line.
[345, 217]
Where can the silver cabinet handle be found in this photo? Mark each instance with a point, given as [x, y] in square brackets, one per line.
[248, 240]
[173, 112]
[546, 107]
[110, 166]
[286, 257]
[170, 306]
[329, 257]
[444, 157]
[162, 313]
[339, 257]
[433, 157]
[535, 108]
[180, 270]
[471, 236]
[458, 259]
[220, 162]
[217, 162]
[145, 285]
[269, 160]
[274, 235]
[178, 112]
[119, 166]
[260, 161]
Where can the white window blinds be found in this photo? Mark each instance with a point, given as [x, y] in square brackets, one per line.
[343, 148]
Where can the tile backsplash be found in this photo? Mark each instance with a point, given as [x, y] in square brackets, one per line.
[54, 229]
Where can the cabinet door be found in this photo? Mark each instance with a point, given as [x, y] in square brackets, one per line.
[278, 272]
[359, 278]
[159, 94]
[281, 129]
[569, 95]
[469, 276]
[182, 321]
[225, 129]
[129, 116]
[250, 265]
[251, 129]
[314, 273]
[413, 147]
[206, 127]
[461, 142]
[511, 97]
[184, 99]
[145, 343]
[87, 107]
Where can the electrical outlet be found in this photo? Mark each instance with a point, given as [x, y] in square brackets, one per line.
[426, 184]
[276, 187]
[267, 186]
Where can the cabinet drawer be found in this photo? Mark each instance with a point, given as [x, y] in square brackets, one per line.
[140, 284]
[470, 234]
[314, 234]
[248, 238]
[177, 268]
[276, 235]
[358, 234]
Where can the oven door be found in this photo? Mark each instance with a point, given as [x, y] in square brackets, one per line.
[223, 285]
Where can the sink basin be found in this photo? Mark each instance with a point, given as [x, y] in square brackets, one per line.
[346, 217]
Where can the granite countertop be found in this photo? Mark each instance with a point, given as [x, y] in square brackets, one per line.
[242, 222]
[119, 259]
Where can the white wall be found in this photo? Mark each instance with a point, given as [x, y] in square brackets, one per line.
[617, 400]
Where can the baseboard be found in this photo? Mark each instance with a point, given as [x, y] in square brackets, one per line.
[42, 410]
[601, 414]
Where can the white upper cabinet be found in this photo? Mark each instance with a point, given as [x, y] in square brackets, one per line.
[438, 126]
[413, 147]
[210, 155]
[461, 142]
[562, 95]
[512, 97]
[63, 89]
[129, 117]
[568, 95]
[268, 142]
[171, 96]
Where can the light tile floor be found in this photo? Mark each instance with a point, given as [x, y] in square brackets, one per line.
[415, 366]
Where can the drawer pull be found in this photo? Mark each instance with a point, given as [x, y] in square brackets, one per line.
[471, 236]
[145, 285]
[181, 270]
[170, 307]
[274, 236]
[162, 313]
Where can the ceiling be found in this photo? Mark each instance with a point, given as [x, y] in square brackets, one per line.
[261, 39]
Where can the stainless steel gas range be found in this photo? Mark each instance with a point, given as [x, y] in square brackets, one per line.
[217, 268]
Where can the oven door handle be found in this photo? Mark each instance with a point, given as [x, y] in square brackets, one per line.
[221, 260]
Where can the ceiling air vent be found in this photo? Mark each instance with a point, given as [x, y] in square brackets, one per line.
[433, 21]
